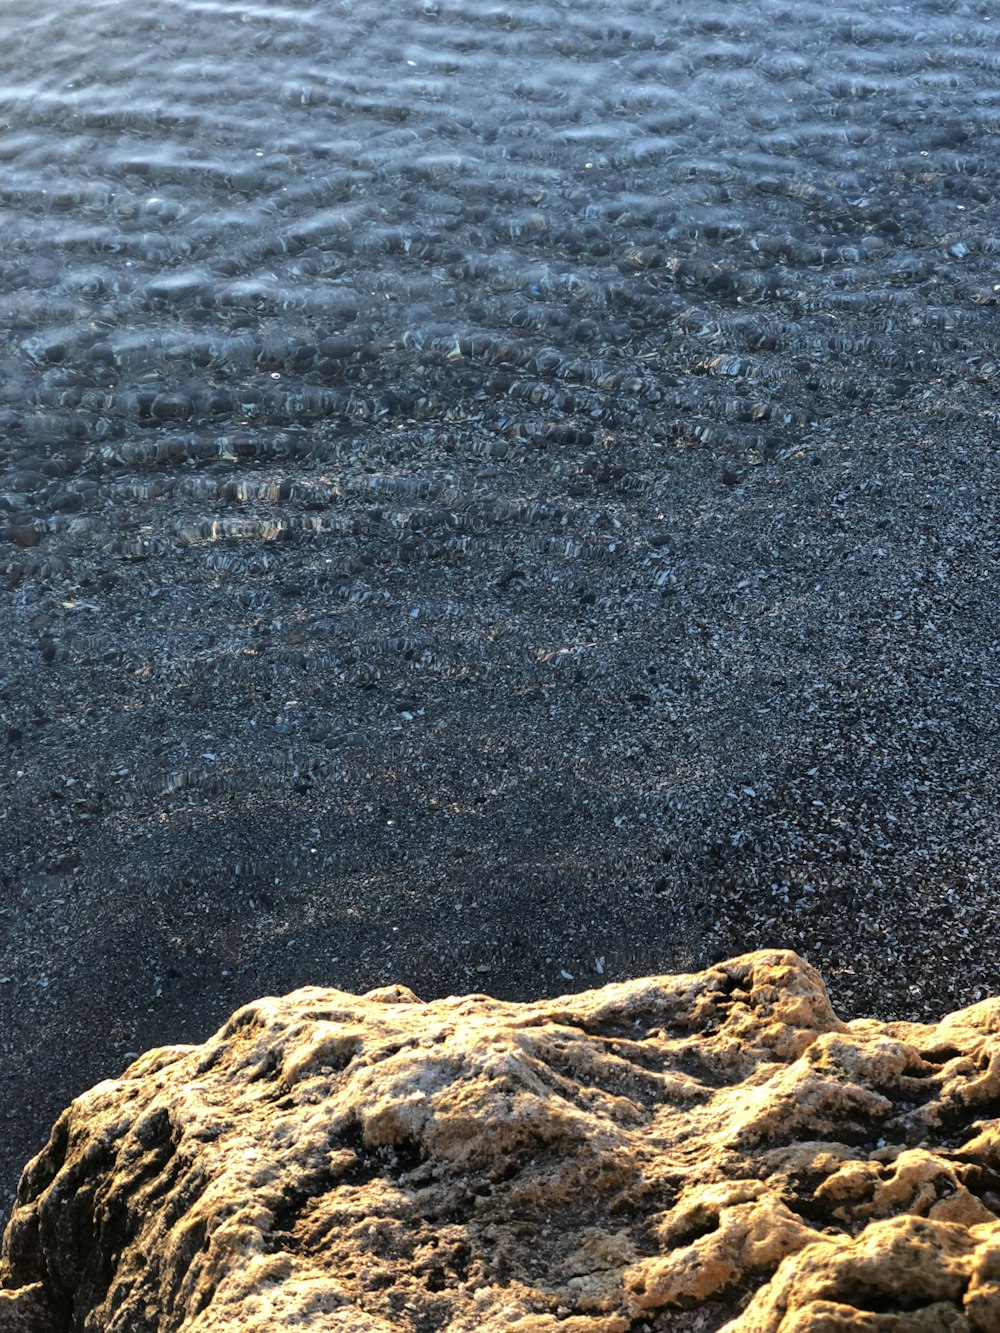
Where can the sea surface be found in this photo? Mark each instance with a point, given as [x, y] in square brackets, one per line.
[261, 231]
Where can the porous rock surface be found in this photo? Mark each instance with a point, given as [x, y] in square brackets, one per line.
[698, 1151]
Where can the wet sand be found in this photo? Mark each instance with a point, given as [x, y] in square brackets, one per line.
[767, 717]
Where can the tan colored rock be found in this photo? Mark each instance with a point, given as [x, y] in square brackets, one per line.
[902, 1273]
[674, 1152]
[25, 1310]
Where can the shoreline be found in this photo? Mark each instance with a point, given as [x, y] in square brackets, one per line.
[652, 758]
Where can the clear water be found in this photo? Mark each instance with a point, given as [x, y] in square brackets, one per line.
[259, 232]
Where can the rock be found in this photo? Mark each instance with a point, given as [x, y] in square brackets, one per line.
[21, 534]
[26, 1311]
[698, 1151]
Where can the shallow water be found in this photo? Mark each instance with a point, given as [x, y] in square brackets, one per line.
[258, 232]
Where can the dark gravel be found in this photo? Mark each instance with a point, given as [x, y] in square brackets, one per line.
[498, 527]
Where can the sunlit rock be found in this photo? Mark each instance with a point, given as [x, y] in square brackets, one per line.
[698, 1151]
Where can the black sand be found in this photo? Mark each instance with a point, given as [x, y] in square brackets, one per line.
[567, 559]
